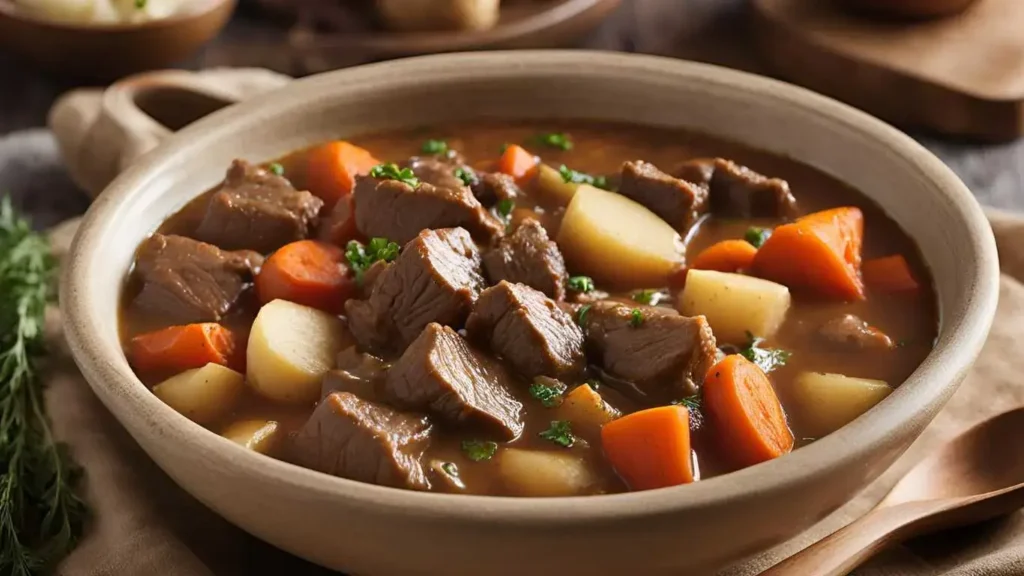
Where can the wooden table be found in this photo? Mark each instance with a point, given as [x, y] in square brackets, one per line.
[713, 31]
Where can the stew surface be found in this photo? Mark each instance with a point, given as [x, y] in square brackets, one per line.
[524, 314]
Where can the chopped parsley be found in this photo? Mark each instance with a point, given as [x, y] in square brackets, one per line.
[636, 318]
[479, 450]
[393, 172]
[276, 168]
[548, 390]
[757, 236]
[504, 209]
[649, 297]
[556, 140]
[691, 402]
[360, 257]
[560, 433]
[466, 174]
[694, 405]
[573, 177]
[581, 316]
[434, 147]
[581, 284]
[767, 359]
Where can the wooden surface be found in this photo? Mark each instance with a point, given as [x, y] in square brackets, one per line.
[716, 31]
[959, 76]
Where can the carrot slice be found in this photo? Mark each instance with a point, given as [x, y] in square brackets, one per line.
[307, 272]
[651, 448]
[517, 163]
[745, 412]
[890, 274]
[819, 253]
[726, 256]
[339, 227]
[332, 168]
[179, 348]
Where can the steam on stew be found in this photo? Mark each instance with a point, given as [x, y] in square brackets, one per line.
[527, 309]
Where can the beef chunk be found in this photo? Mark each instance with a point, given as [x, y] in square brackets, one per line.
[738, 192]
[189, 281]
[353, 438]
[528, 330]
[440, 173]
[436, 278]
[664, 354]
[678, 202]
[357, 372]
[849, 331]
[441, 374]
[493, 187]
[529, 257]
[257, 210]
[397, 211]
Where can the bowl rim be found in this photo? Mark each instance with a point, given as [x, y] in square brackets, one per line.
[198, 9]
[926, 389]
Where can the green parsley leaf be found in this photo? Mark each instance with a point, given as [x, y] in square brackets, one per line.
[466, 174]
[767, 359]
[757, 236]
[276, 168]
[393, 172]
[548, 390]
[694, 404]
[504, 209]
[556, 140]
[573, 177]
[360, 257]
[636, 317]
[434, 147]
[649, 297]
[479, 450]
[560, 433]
[581, 284]
[581, 316]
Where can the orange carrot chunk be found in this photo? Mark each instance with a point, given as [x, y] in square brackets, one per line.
[819, 253]
[307, 272]
[725, 256]
[517, 163]
[651, 448]
[890, 274]
[178, 348]
[745, 412]
[332, 168]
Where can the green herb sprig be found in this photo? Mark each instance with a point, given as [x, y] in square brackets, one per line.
[757, 236]
[479, 450]
[435, 147]
[767, 359]
[571, 176]
[548, 391]
[558, 140]
[581, 284]
[360, 257]
[560, 433]
[649, 297]
[393, 172]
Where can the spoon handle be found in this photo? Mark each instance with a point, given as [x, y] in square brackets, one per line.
[848, 548]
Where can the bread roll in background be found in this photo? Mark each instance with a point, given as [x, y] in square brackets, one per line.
[427, 15]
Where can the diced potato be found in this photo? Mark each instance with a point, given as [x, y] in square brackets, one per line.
[553, 187]
[290, 348]
[828, 402]
[587, 411]
[430, 15]
[734, 304]
[616, 241]
[256, 435]
[537, 473]
[204, 394]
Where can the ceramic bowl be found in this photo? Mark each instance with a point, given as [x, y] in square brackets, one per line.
[370, 530]
[108, 51]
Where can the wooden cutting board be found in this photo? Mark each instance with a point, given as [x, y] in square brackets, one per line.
[962, 75]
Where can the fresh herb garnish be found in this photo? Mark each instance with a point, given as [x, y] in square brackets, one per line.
[276, 168]
[581, 284]
[757, 236]
[556, 140]
[504, 209]
[434, 147]
[450, 469]
[40, 516]
[560, 433]
[360, 257]
[393, 172]
[636, 318]
[573, 177]
[594, 384]
[466, 174]
[548, 390]
[479, 450]
[649, 297]
[693, 404]
[767, 359]
[581, 316]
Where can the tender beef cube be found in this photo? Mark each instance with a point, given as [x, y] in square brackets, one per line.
[849, 331]
[528, 330]
[678, 202]
[257, 210]
[493, 187]
[357, 372]
[440, 173]
[738, 192]
[398, 212]
[441, 374]
[528, 257]
[664, 354]
[361, 440]
[436, 278]
[187, 281]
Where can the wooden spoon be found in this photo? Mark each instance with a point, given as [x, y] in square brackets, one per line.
[976, 476]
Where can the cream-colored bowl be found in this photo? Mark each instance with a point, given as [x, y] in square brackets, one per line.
[370, 530]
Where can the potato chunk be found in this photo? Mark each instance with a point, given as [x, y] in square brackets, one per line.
[734, 304]
[553, 187]
[256, 435]
[537, 473]
[617, 241]
[587, 411]
[290, 348]
[830, 401]
[205, 394]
